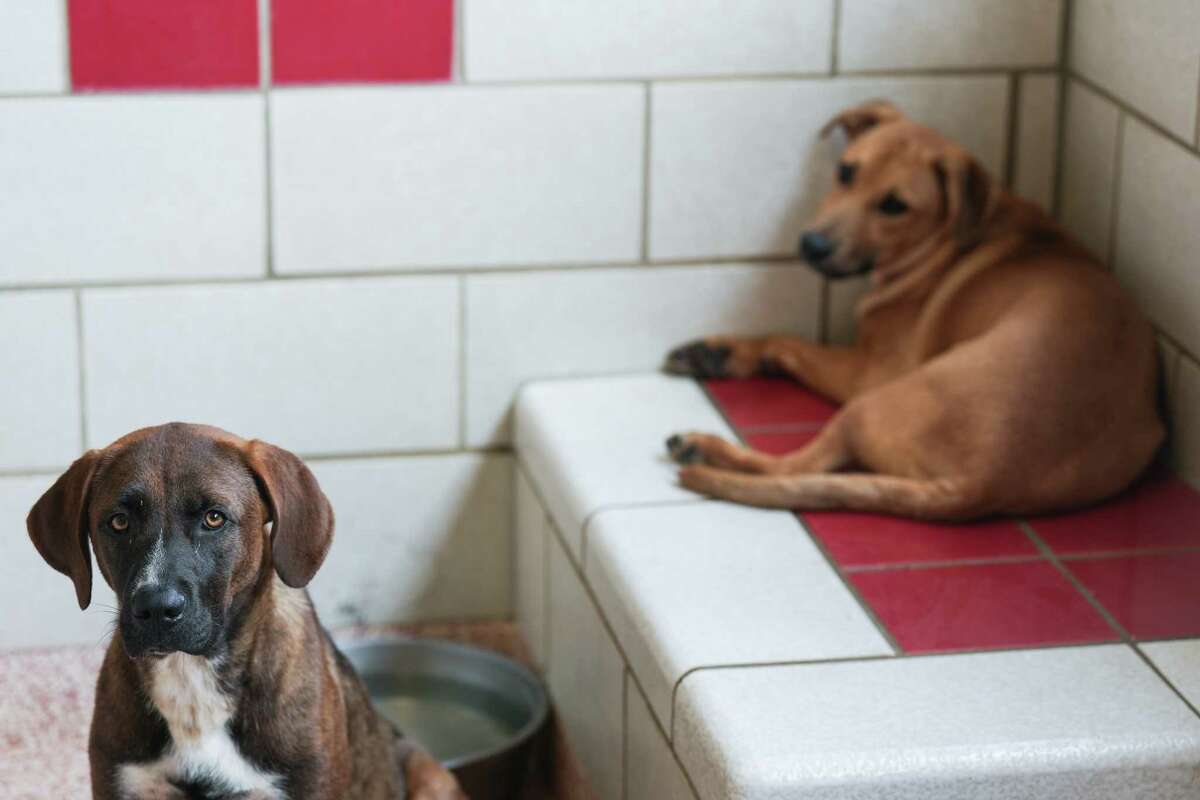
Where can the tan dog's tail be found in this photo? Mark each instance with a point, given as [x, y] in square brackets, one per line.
[922, 499]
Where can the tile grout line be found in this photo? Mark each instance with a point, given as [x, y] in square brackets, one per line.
[625, 731]
[1060, 111]
[462, 362]
[663, 733]
[82, 372]
[1012, 147]
[1114, 212]
[835, 50]
[647, 154]
[460, 43]
[1133, 112]
[264, 78]
[1136, 647]
[68, 81]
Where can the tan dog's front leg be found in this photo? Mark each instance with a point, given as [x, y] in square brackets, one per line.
[428, 780]
[830, 371]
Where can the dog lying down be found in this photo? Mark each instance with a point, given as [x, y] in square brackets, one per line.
[221, 682]
[998, 369]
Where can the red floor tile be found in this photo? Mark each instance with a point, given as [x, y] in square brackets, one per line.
[163, 44]
[1162, 512]
[325, 41]
[1151, 596]
[857, 540]
[781, 443]
[762, 402]
[981, 607]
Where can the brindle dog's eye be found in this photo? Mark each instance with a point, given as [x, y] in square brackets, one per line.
[892, 205]
[213, 519]
[846, 173]
[119, 523]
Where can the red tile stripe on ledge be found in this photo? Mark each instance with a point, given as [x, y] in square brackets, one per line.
[989, 585]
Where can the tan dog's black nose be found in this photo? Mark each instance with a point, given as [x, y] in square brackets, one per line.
[158, 604]
[815, 247]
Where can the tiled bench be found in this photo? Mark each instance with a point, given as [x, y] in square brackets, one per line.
[701, 649]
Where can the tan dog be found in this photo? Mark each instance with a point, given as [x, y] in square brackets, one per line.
[998, 368]
[221, 682]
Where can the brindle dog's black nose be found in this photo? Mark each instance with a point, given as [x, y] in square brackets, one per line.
[158, 604]
[816, 247]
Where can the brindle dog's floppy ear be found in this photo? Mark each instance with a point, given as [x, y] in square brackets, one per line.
[301, 517]
[58, 525]
[860, 119]
[969, 191]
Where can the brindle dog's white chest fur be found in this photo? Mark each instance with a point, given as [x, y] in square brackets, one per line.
[185, 690]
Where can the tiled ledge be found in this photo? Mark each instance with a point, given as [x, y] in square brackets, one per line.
[851, 655]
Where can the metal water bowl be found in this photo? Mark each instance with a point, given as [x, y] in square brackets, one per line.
[476, 712]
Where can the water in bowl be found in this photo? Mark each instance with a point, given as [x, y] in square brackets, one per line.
[450, 719]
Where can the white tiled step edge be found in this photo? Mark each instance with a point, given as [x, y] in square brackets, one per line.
[674, 586]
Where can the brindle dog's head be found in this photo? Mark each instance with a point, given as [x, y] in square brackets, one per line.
[177, 516]
[902, 190]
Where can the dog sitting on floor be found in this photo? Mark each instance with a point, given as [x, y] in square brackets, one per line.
[222, 682]
[998, 368]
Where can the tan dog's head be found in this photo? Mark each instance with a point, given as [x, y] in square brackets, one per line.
[901, 190]
[177, 517]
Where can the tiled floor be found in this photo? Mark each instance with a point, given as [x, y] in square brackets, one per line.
[1123, 569]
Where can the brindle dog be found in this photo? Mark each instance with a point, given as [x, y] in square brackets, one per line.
[222, 683]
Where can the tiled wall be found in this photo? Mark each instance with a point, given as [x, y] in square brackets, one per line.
[356, 229]
[1130, 183]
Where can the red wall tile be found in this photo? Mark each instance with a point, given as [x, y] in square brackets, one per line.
[1151, 596]
[326, 41]
[151, 44]
[766, 402]
[855, 540]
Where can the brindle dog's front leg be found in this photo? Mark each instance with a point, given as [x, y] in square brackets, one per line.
[830, 371]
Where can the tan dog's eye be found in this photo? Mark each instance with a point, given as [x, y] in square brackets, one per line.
[213, 519]
[119, 523]
[892, 205]
[846, 173]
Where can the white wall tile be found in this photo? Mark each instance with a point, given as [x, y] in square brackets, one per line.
[132, 187]
[1089, 165]
[1037, 139]
[39, 604]
[419, 538]
[375, 178]
[586, 677]
[928, 34]
[1147, 54]
[39, 357]
[1185, 418]
[1180, 663]
[630, 38]
[1078, 723]
[33, 54]
[527, 326]
[1157, 234]
[712, 584]
[531, 541]
[651, 770]
[736, 168]
[369, 365]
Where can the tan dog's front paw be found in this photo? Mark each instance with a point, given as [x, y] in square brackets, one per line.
[715, 358]
[682, 449]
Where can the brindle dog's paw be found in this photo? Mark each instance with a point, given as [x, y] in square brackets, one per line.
[683, 451]
[699, 360]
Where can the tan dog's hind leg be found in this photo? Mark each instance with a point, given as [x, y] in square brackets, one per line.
[922, 499]
[826, 453]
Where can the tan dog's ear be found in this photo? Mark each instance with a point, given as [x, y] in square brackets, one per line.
[58, 525]
[970, 194]
[860, 119]
[301, 517]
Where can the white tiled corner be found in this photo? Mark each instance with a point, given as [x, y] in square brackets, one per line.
[39, 604]
[1179, 662]
[1089, 165]
[33, 47]
[40, 425]
[370, 178]
[651, 771]
[736, 167]
[528, 326]
[1185, 420]
[586, 677]
[1037, 139]
[712, 584]
[1079, 723]
[120, 188]
[417, 539]
[841, 321]
[318, 367]
[597, 442]
[938, 34]
[531, 540]
[1147, 54]
[542, 39]
[1157, 235]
